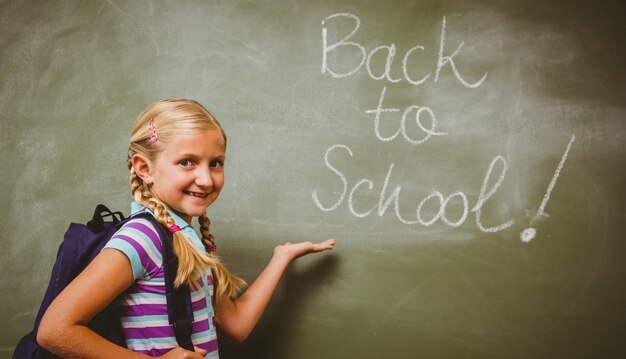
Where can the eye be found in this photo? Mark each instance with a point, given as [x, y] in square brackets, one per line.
[216, 164]
[186, 163]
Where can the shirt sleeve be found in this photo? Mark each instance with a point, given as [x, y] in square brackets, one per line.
[139, 240]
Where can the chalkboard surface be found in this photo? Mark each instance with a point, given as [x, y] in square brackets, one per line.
[468, 156]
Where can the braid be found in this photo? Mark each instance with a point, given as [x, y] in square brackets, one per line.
[137, 188]
[191, 261]
[226, 283]
[205, 229]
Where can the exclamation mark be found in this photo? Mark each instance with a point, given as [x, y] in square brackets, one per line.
[529, 233]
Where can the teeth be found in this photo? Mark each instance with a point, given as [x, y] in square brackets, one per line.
[195, 194]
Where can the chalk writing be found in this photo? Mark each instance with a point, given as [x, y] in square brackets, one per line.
[363, 58]
[356, 56]
[418, 112]
[529, 233]
[385, 200]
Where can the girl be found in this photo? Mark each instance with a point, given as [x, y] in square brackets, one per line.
[176, 160]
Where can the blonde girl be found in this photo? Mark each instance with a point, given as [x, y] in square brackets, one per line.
[176, 160]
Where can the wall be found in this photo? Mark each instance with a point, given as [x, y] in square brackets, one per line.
[468, 156]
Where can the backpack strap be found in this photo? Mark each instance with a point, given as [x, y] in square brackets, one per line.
[179, 310]
[97, 221]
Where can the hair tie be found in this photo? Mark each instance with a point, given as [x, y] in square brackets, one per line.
[174, 228]
[212, 247]
[153, 134]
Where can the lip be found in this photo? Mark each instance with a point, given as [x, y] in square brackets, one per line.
[194, 194]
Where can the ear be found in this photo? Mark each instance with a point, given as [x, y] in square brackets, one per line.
[142, 167]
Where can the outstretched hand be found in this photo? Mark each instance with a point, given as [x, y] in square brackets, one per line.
[237, 317]
[292, 251]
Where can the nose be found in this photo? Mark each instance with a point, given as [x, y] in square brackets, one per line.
[204, 179]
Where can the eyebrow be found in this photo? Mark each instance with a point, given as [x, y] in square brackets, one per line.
[195, 155]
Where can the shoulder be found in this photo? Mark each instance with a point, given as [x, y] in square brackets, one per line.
[141, 224]
[139, 240]
[139, 229]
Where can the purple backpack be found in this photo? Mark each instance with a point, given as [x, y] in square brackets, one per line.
[81, 244]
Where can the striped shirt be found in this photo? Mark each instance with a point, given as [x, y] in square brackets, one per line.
[143, 307]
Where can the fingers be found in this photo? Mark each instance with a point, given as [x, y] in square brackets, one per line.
[179, 352]
[328, 244]
[300, 249]
[200, 351]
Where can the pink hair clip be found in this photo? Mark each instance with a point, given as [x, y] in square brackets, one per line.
[174, 228]
[153, 134]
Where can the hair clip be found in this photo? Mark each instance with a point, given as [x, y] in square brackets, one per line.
[153, 134]
[174, 228]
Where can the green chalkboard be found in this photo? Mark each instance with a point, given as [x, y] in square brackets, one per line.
[468, 156]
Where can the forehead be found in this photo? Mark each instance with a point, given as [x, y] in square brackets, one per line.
[203, 143]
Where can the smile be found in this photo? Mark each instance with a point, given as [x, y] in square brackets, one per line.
[196, 194]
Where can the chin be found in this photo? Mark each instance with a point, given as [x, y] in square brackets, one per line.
[197, 212]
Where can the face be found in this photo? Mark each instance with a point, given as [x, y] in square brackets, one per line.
[189, 174]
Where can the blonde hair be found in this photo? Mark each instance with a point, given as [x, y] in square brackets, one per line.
[174, 117]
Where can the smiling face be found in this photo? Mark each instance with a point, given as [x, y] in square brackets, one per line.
[188, 174]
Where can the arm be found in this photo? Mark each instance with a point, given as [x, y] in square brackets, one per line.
[62, 330]
[237, 318]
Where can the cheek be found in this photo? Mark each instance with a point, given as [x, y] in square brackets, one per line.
[218, 181]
